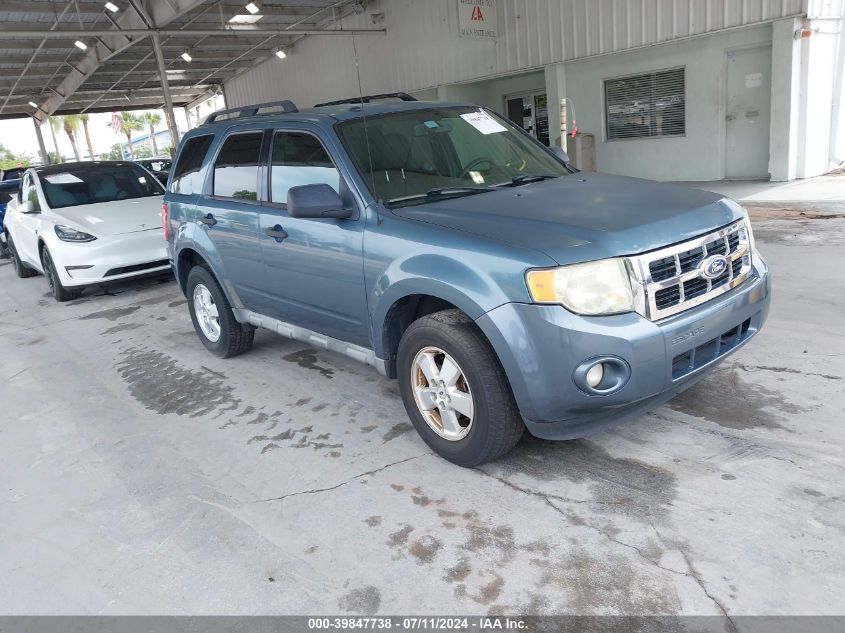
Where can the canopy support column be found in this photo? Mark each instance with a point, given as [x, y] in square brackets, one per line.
[42, 149]
[168, 101]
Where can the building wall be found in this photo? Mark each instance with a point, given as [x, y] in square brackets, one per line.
[422, 48]
[699, 155]
[568, 47]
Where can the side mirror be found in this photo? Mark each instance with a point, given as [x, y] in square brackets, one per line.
[561, 154]
[316, 201]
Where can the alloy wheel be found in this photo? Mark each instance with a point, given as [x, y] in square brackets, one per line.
[206, 312]
[442, 393]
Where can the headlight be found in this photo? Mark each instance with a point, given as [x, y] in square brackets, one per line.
[67, 234]
[593, 288]
[748, 230]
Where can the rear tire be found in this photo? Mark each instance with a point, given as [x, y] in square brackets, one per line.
[213, 318]
[479, 400]
[21, 270]
[59, 292]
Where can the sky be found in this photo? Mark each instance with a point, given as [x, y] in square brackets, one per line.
[18, 135]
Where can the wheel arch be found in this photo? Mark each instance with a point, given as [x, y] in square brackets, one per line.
[406, 309]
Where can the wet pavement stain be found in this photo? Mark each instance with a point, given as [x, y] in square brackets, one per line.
[395, 431]
[459, 571]
[617, 484]
[589, 584]
[160, 384]
[400, 537]
[373, 521]
[724, 398]
[176, 304]
[425, 549]
[307, 359]
[365, 600]
[124, 327]
[112, 314]
[295, 438]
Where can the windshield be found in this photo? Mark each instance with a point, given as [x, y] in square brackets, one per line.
[90, 184]
[415, 155]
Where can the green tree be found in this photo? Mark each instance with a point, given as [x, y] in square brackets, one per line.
[115, 153]
[152, 119]
[83, 118]
[143, 151]
[9, 159]
[70, 124]
[130, 123]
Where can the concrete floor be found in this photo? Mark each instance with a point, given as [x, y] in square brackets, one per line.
[138, 474]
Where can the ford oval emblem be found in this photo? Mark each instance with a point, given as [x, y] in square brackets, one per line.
[713, 267]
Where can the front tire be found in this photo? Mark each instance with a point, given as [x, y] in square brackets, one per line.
[21, 270]
[59, 292]
[213, 318]
[455, 390]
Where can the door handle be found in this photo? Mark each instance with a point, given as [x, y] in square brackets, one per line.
[277, 233]
[209, 220]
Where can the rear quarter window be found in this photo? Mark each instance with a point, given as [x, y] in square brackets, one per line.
[186, 178]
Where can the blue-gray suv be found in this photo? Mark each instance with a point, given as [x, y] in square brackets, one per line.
[447, 248]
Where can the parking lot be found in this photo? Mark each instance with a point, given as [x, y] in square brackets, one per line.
[143, 475]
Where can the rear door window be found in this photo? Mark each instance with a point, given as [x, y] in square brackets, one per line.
[299, 159]
[236, 167]
[186, 177]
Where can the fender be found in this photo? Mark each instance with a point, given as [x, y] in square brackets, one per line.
[457, 283]
[190, 236]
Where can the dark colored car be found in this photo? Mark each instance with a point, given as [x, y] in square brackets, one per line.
[9, 186]
[159, 167]
[446, 247]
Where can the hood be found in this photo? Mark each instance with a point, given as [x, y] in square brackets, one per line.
[584, 216]
[114, 218]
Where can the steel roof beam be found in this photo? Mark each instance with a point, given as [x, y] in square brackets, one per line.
[116, 41]
[26, 30]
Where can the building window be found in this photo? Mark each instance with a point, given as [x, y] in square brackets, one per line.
[645, 106]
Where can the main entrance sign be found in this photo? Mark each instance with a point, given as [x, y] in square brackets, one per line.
[477, 18]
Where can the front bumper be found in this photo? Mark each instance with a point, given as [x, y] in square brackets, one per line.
[540, 348]
[110, 258]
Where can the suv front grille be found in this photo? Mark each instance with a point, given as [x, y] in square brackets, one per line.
[673, 279]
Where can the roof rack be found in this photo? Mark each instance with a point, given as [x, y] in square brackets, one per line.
[404, 96]
[250, 111]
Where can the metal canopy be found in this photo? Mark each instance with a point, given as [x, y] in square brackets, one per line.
[40, 63]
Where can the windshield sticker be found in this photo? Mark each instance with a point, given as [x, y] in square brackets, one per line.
[477, 178]
[431, 124]
[63, 178]
[483, 122]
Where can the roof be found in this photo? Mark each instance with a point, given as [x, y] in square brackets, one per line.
[118, 70]
[52, 169]
[332, 113]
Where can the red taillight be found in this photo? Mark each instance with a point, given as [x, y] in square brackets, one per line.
[165, 220]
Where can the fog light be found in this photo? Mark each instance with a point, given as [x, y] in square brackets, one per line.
[595, 374]
[602, 375]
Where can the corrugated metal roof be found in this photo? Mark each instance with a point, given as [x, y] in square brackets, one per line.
[123, 73]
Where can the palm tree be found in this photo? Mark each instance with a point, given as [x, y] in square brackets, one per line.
[55, 126]
[152, 119]
[84, 119]
[130, 123]
[70, 123]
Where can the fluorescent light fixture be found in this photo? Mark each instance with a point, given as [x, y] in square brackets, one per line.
[111, 6]
[80, 45]
[280, 53]
[253, 8]
[187, 56]
[33, 104]
[244, 18]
